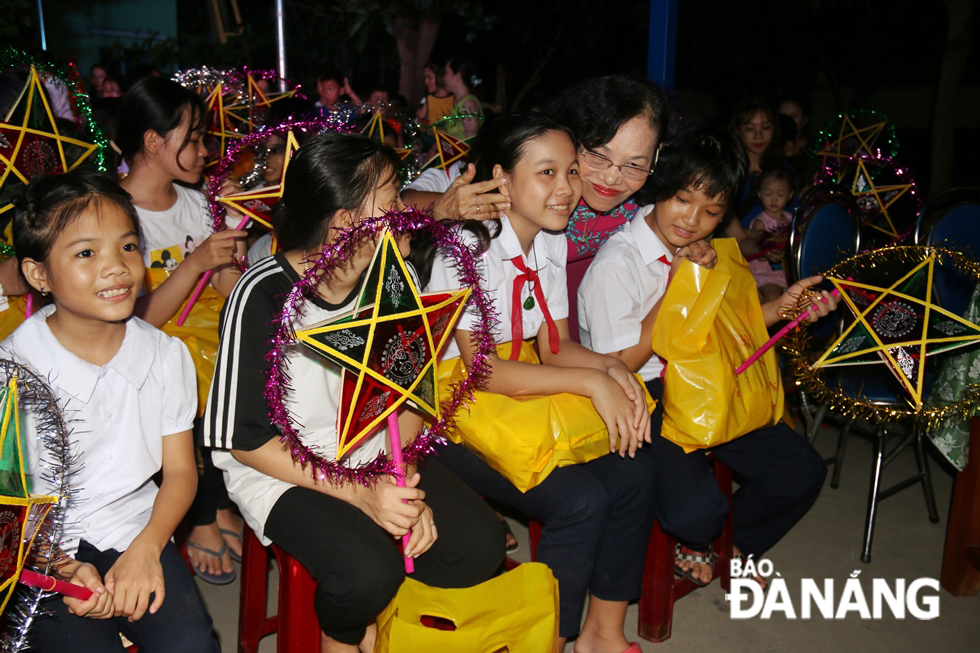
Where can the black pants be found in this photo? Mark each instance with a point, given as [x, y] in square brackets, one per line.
[357, 563]
[779, 473]
[596, 521]
[181, 624]
[212, 495]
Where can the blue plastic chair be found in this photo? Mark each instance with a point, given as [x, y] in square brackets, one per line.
[952, 219]
[825, 230]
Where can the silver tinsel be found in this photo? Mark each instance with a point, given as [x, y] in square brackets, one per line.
[37, 399]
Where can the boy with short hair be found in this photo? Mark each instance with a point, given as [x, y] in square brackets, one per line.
[698, 176]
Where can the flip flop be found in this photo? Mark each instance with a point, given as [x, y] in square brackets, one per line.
[224, 577]
[681, 552]
[237, 536]
[634, 647]
[516, 546]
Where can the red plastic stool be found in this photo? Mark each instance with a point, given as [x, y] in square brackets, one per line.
[296, 626]
[660, 588]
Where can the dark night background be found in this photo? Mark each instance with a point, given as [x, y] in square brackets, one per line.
[844, 54]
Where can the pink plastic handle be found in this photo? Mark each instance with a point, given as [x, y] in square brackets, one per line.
[202, 284]
[29, 306]
[772, 341]
[34, 579]
[395, 436]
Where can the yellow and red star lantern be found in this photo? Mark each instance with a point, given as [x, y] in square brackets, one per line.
[31, 144]
[21, 514]
[258, 203]
[387, 347]
[249, 109]
[449, 150]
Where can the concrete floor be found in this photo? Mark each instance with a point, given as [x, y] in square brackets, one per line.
[824, 545]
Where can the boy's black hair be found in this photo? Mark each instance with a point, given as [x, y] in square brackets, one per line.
[700, 158]
[330, 173]
[159, 104]
[335, 75]
[596, 108]
[50, 204]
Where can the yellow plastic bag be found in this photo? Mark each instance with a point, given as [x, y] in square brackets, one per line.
[199, 332]
[525, 438]
[710, 322]
[515, 612]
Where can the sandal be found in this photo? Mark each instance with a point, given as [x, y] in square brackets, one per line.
[227, 532]
[224, 577]
[508, 533]
[683, 553]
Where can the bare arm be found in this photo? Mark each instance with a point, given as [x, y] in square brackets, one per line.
[382, 501]
[137, 573]
[159, 306]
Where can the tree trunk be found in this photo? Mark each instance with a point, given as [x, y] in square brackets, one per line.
[959, 17]
[415, 37]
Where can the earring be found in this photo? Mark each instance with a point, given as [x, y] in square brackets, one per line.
[44, 293]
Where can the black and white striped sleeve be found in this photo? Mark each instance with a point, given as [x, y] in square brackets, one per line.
[237, 416]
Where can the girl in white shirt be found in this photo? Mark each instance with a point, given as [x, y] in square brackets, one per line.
[162, 136]
[596, 516]
[342, 532]
[128, 391]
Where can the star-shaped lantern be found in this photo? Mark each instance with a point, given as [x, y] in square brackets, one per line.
[258, 203]
[852, 140]
[449, 150]
[897, 323]
[219, 127]
[21, 514]
[31, 144]
[375, 129]
[250, 108]
[876, 198]
[387, 346]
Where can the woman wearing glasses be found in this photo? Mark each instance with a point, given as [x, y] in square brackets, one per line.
[620, 123]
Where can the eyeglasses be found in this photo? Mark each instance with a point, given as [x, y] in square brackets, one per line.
[275, 150]
[629, 171]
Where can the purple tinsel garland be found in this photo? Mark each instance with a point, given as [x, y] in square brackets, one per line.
[228, 161]
[277, 379]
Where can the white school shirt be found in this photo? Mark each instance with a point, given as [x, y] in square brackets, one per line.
[118, 414]
[436, 180]
[623, 283]
[547, 257]
[237, 415]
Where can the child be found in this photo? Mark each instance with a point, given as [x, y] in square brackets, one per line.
[328, 88]
[619, 299]
[597, 515]
[128, 390]
[460, 77]
[160, 134]
[438, 102]
[771, 230]
[341, 532]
